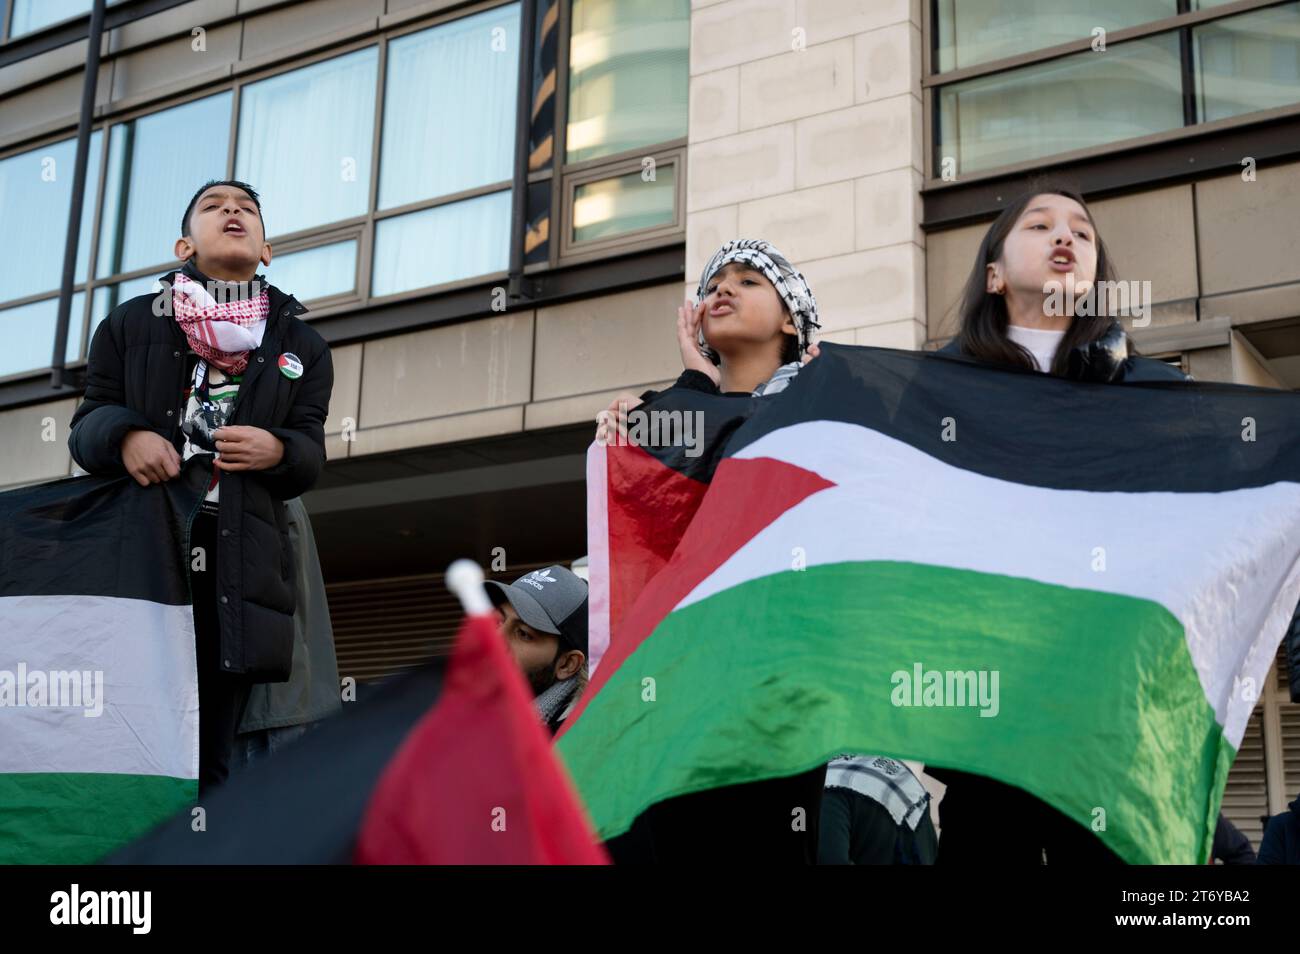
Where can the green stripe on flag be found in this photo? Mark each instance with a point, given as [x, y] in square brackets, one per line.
[45, 817]
[1098, 704]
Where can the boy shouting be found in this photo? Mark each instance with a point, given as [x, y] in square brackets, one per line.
[220, 365]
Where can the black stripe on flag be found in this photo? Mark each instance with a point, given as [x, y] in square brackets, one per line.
[92, 536]
[1035, 429]
[304, 805]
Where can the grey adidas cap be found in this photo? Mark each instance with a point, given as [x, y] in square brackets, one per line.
[551, 600]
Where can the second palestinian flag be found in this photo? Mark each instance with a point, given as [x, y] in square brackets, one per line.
[1068, 587]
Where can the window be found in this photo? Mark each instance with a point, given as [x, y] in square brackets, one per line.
[304, 141]
[28, 334]
[1160, 79]
[1077, 101]
[449, 108]
[374, 183]
[32, 15]
[1247, 63]
[319, 272]
[36, 196]
[151, 178]
[628, 72]
[443, 244]
[971, 32]
[449, 128]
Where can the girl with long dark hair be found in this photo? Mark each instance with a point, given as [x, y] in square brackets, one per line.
[1042, 253]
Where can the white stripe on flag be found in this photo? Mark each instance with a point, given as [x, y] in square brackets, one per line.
[1226, 565]
[597, 554]
[145, 650]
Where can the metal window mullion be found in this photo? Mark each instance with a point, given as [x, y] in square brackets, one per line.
[92, 264]
[233, 143]
[89, 93]
[123, 194]
[366, 247]
[1186, 67]
[559, 214]
[516, 286]
[449, 198]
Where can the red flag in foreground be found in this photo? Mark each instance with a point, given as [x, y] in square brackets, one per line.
[476, 781]
[446, 764]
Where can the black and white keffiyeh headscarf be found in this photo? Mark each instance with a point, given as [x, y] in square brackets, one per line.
[776, 268]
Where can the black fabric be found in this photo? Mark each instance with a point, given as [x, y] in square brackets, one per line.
[907, 395]
[1109, 359]
[304, 806]
[752, 823]
[983, 822]
[135, 379]
[1230, 845]
[858, 830]
[1281, 842]
[91, 536]
[222, 695]
[1292, 644]
[689, 380]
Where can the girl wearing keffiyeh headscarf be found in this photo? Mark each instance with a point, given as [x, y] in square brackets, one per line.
[749, 330]
[753, 308]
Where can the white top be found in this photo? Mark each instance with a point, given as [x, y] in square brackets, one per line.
[1040, 342]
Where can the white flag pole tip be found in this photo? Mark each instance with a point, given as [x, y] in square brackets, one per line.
[465, 579]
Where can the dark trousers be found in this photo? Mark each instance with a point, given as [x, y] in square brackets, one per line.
[773, 822]
[222, 695]
[985, 822]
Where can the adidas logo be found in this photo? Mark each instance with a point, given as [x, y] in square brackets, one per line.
[537, 578]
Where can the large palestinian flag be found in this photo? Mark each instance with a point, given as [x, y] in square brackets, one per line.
[1074, 588]
[98, 692]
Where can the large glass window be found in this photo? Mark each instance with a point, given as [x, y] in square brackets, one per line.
[980, 31]
[1232, 66]
[305, 139]
[36, 197]
[443, 244]
[449, 108]
[1247, 63]
[28, 334]
[316, 272]
[155, 164]
[628, 72]
[1078, 101]
[30, 15]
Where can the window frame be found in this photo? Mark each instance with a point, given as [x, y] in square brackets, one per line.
[573, 174]
[612, 167]
[563, 177]
[1182, 23]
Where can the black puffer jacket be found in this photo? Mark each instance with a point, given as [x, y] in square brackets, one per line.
[135, 380]
[1110, 358]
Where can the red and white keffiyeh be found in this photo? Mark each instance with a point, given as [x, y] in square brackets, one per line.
[222, 333]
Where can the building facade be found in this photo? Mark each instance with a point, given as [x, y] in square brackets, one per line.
[492, 210]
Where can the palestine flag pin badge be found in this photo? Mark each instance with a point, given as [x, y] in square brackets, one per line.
[290, 366]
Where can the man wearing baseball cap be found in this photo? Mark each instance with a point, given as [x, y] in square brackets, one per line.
[544, 621]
